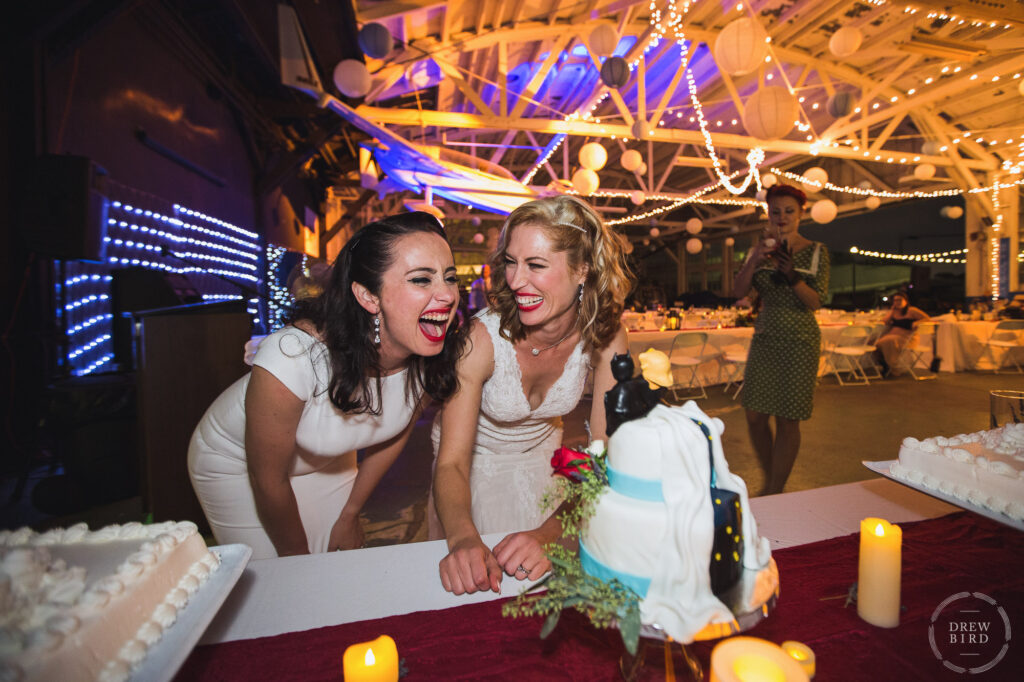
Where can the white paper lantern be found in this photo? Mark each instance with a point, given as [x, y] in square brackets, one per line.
[478, 238]
[770, 113]
[603, 40]
[768, 180]
[816, 174]
[694, 225]
[872, 202]
[824, 211]
[845, 41]
[740, 47]
[637, 197]
[929, 147]
[475, 221]
[585, 181]
[951, 212]
[631, 160]
[694, 245]
[375, 40]
[924, 171]
[641, 130]
[615, 72]
[352, 78]
[729, 241]
[840, 104]
[642, 169]
[655, 232]
[593, 156]
[864, 184]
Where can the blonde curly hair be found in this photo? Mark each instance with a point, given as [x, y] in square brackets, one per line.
[575, 228]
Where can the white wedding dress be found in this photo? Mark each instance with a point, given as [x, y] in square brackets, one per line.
[511, 467]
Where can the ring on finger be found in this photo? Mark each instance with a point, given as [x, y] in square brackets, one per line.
[523, 569]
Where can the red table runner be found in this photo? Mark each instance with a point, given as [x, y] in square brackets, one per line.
[958, 553]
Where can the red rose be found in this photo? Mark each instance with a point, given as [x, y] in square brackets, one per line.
[570, 463]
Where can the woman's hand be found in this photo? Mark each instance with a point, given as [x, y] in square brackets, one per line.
[470, 567]
[347, 533]
[783, 258]
[522, 556]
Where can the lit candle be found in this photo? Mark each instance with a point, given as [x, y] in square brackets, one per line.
[802, 654]
[748, 659]
[878, 577]
[375, 661]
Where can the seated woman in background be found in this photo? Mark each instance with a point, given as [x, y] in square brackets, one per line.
[273, 460]
[901, 322]
[559, 282]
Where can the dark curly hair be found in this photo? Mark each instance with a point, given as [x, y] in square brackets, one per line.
[780, 190]
[347, 328]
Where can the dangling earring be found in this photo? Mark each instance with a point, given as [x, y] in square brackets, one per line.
[581, 295]
[376, 330]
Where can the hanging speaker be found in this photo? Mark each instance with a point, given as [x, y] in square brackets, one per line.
[65, 214]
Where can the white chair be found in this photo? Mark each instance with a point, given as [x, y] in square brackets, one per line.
[1008, 336]
[848, 355]
[916, 353]
[734, 361]
[690, 351]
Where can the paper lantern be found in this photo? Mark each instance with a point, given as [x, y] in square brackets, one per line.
[603, 40]
[839, 104]
[694, 225]
[872, 202]
[729, 241]
[694, 245]
[769, 113]
[615, 72]
[352, 78]
[824, 211]
[475, 222]
[631, 160]
[864, 184]
[593, 156]
[641, 130]
[637, 197]
[951, 212]
[816, 174]
[929, 147]
[768, 180]
[585, 181]
[642, 169]
[740, 47]
[845, 41]
[924, 171]
[655, 232]
[375, 40]
[478, 238]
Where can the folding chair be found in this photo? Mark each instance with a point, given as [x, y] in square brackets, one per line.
[917, 348]
[1007, 336]
[734, 360]
[848, 355]
[690, 351]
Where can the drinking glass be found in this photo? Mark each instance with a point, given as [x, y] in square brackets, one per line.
[1005, 407]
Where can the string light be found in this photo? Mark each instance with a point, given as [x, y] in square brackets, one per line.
[937, 257]
[994, 244]
[891, 194]
[693, 198]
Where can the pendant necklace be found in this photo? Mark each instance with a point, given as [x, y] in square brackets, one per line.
[538, 351]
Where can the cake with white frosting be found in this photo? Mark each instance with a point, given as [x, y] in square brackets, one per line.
[655, 528]
[985, 468]
[77, 604]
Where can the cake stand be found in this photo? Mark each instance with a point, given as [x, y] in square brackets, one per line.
[750, 600]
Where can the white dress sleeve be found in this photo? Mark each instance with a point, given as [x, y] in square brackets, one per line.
[288, 355]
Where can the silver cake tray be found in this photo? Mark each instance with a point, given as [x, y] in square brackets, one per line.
[742, 599]
[882, 468]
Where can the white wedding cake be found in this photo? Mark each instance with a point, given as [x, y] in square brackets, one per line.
[985, 468]
[77, 604]
[655, 527]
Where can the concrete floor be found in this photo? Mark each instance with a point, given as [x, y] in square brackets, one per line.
[850, 424]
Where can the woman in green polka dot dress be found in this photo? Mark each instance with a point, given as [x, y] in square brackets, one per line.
[790, 272]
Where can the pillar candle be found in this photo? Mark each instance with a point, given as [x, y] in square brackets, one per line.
[802, 654]
[749, 659]
[879, 574]
[375, 661]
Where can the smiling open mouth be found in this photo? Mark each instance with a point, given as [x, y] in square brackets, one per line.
[529, 302]
[433, 324]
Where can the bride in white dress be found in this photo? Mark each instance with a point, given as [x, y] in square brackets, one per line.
[559, 282]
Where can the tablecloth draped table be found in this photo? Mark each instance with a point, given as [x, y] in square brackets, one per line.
[941, 557]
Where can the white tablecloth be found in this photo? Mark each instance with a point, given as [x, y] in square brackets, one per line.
[275, 596]
[960, 344]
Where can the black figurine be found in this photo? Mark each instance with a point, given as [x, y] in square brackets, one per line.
[630, 398]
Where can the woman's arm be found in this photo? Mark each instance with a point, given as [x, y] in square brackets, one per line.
[272, 415]
[918, 316]
[469, 566]
[741, 283]
[347, 532]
